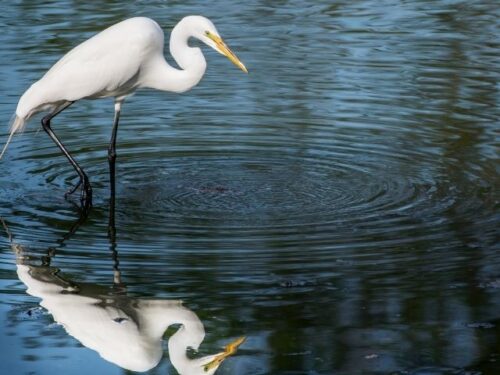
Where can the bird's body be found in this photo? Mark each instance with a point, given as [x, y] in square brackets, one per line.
[116, 62]
[124, 330]
[97, 69]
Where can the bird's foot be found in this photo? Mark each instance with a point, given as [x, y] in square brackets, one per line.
[73, 189]
[86, 192]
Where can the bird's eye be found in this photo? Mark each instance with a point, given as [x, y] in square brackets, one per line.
[207, 33]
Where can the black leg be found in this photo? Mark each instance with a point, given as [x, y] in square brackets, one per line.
[86, 197]
[112, 153]
[118, 286]
[111, 223]
[117, 281]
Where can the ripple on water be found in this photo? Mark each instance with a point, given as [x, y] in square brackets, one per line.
[326, 186]
[258, 195]
[325, 182]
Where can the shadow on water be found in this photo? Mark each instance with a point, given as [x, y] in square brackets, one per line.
[124, 330]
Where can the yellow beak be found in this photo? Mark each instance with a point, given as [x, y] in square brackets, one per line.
[224, 49]
[229, 350]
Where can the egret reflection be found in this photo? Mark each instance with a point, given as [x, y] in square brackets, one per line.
[126, 331]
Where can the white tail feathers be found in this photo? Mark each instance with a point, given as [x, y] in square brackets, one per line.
[17, 124]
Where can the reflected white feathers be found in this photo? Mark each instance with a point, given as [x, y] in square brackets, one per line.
[123, 330]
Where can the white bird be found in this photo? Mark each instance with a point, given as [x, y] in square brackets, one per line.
[124, 330]
[114, 63]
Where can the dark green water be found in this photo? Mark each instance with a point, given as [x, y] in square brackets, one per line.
[338, 206]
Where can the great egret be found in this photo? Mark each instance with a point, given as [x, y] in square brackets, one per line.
[124, 330]
[114, 63]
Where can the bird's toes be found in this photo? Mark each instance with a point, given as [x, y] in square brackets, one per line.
[73, 189]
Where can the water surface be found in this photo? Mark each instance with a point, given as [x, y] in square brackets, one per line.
[338, 206]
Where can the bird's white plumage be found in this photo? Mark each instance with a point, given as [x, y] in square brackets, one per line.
[97, 68]
[123, 330]
[117, 61]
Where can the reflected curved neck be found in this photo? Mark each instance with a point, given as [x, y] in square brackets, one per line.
[189, 335]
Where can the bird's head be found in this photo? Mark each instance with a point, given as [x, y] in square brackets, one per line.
[211, 363]
[203, 29]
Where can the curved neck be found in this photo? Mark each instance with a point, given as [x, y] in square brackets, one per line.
[188, 58]
[190, 334]
[161, 76]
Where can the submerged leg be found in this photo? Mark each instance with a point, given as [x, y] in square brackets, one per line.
[112, 149]
[118, 286]
[86, 195]
[117, 281]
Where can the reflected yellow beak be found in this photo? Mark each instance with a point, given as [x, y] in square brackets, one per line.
[229, 350]
[224, 49]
